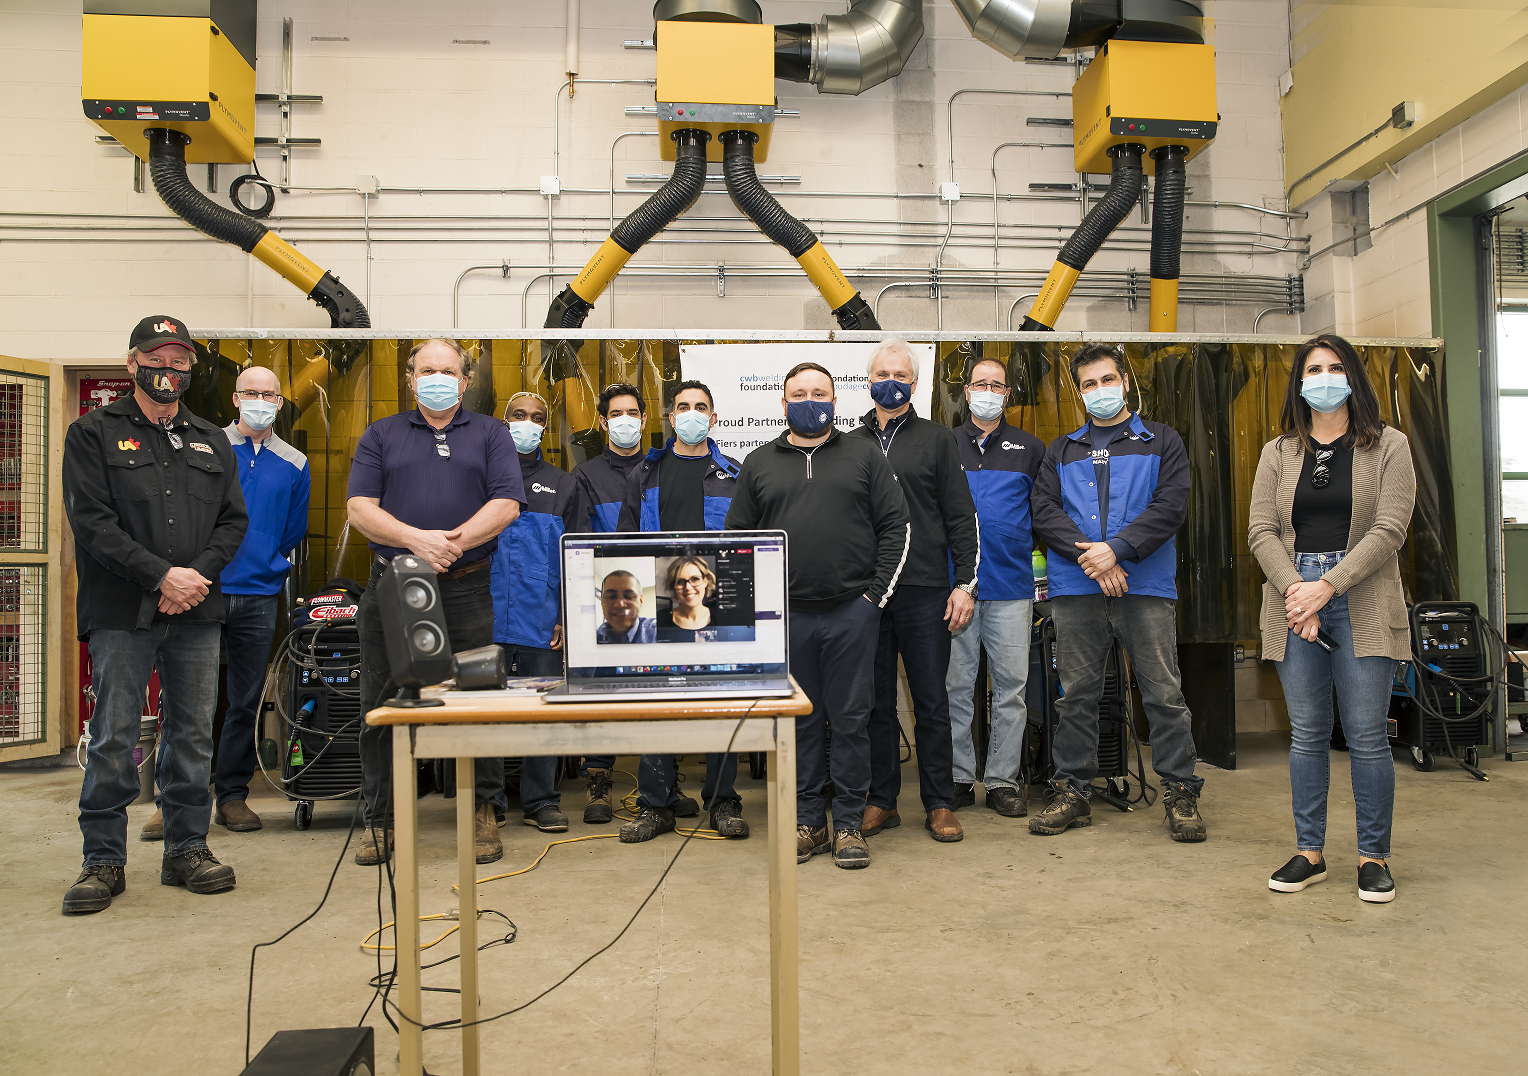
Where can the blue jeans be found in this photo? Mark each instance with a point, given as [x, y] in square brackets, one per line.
[186, 656]
[1147, 627]
[247, 642]
[1002, 627]
[538, 776]
[832, 657]
[913, 626]
[1308, 675]
[656, 787]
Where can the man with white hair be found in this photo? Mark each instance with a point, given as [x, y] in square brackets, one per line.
[930, 603]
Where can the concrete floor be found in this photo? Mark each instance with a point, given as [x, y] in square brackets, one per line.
[1104, 950]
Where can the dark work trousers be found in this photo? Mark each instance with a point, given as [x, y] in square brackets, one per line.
[538, 776]
[832, 658]
[657, 786]
[247, 642]
[469, 623]
[913, 625]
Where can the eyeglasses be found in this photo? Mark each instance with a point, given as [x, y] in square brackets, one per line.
[251, 394]
[988, 386]
[696, 583]
[442, 449]
[1321, 474]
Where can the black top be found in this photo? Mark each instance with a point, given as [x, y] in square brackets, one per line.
[1323, 517]
[926, 461]
[842, 509]
[140, 505]
[681, 492]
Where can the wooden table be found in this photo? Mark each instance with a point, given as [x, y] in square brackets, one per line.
[485, 724]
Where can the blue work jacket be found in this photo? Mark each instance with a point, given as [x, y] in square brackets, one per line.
[527, 566]
[639, 512]
[1001, 473]
[275, 482]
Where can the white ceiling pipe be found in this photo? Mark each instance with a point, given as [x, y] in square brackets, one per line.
[573, 23]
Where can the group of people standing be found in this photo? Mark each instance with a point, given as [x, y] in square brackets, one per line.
[927, 560]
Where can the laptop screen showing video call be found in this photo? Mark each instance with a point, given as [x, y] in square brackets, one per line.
[664, 604]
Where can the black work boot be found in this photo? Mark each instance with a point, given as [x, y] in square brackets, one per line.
[650, 822]
[965, 796]
[1006, 801]
[93, 889]
[727, 819]
[1183, 821]
[1066, 809]
[198, 870]
[598, 811]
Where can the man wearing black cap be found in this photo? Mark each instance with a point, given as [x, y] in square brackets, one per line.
[152, 493]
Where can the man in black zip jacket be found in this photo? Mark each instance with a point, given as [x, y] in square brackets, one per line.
[848, 536]
[929, 606]
[599, 488]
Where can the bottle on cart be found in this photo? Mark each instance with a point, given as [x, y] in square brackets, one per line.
[1042, 585]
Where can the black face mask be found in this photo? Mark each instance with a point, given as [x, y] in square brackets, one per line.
[161, 383]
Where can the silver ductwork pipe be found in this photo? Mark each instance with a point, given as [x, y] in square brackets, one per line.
[853, 52]
[1019, 28]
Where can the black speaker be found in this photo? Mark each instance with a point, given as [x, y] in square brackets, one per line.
[414, 621]
[329, 1051]
[485, 667]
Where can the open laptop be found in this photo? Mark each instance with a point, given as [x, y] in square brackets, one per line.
[674, 615]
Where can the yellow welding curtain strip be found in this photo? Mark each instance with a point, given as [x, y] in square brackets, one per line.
[600, 270]
[824, 272]
[1164, 306]
[288, 261]
[1053, 293]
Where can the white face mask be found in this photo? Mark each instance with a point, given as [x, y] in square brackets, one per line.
[986, 405]
[625, 431]
[257, 414]
[438, 392]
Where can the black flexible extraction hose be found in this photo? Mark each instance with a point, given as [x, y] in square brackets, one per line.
[167, 167]
[1124, 191]
[1167, 235]
[666, 205]
[799, 241]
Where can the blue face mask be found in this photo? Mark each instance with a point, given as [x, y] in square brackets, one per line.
[438, 392]
[891, 393]
[1325, 392]
[1105, 401]
[691, 427]
[809, 417]
[527, 435]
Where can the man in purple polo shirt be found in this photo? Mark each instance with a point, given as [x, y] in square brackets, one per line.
[440, 482]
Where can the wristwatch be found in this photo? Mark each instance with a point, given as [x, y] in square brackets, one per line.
[969, 588]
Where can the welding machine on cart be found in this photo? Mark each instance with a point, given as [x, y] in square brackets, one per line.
[1444, 699]
[1040, 698]
[321, 689]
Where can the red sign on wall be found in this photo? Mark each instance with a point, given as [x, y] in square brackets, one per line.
[99, 391]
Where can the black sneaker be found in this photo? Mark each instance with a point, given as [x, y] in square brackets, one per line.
[727, 819]
[850, 850]
[1065, 810]
[650, 822]
[93, 889]
[965, 796]
[1182, 807]
[548, 820]
[686, 808]
[1295, 875]
[1006, 801]
[1375, 884]
[198, 870]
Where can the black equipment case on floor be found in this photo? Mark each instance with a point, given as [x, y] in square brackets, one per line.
[1450, 677]
[1041, 695]
[321, 757]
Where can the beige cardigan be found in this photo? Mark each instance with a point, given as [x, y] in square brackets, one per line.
[1384, 493]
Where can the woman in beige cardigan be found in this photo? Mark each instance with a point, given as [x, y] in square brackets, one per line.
[1330, 507]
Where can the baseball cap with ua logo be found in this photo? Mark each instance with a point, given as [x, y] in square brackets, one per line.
[157, 330]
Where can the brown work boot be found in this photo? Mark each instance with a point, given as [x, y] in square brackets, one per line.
[943, 826]
[599, 811]
[486, 841]
[236, 815]
[879, 818]
[849, 850]
[376, 846]
[153, 829]
[810, 841]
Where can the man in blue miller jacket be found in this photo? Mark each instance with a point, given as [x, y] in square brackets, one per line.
[275, 480]
[1001, 462]
[526, 586]
[1108, 499]
[687, 485]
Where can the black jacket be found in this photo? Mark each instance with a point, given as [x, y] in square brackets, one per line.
[926, 460]
[842, 510]
[139, 507]
[599, 489]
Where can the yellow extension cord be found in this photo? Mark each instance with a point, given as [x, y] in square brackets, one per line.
[627, 813]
